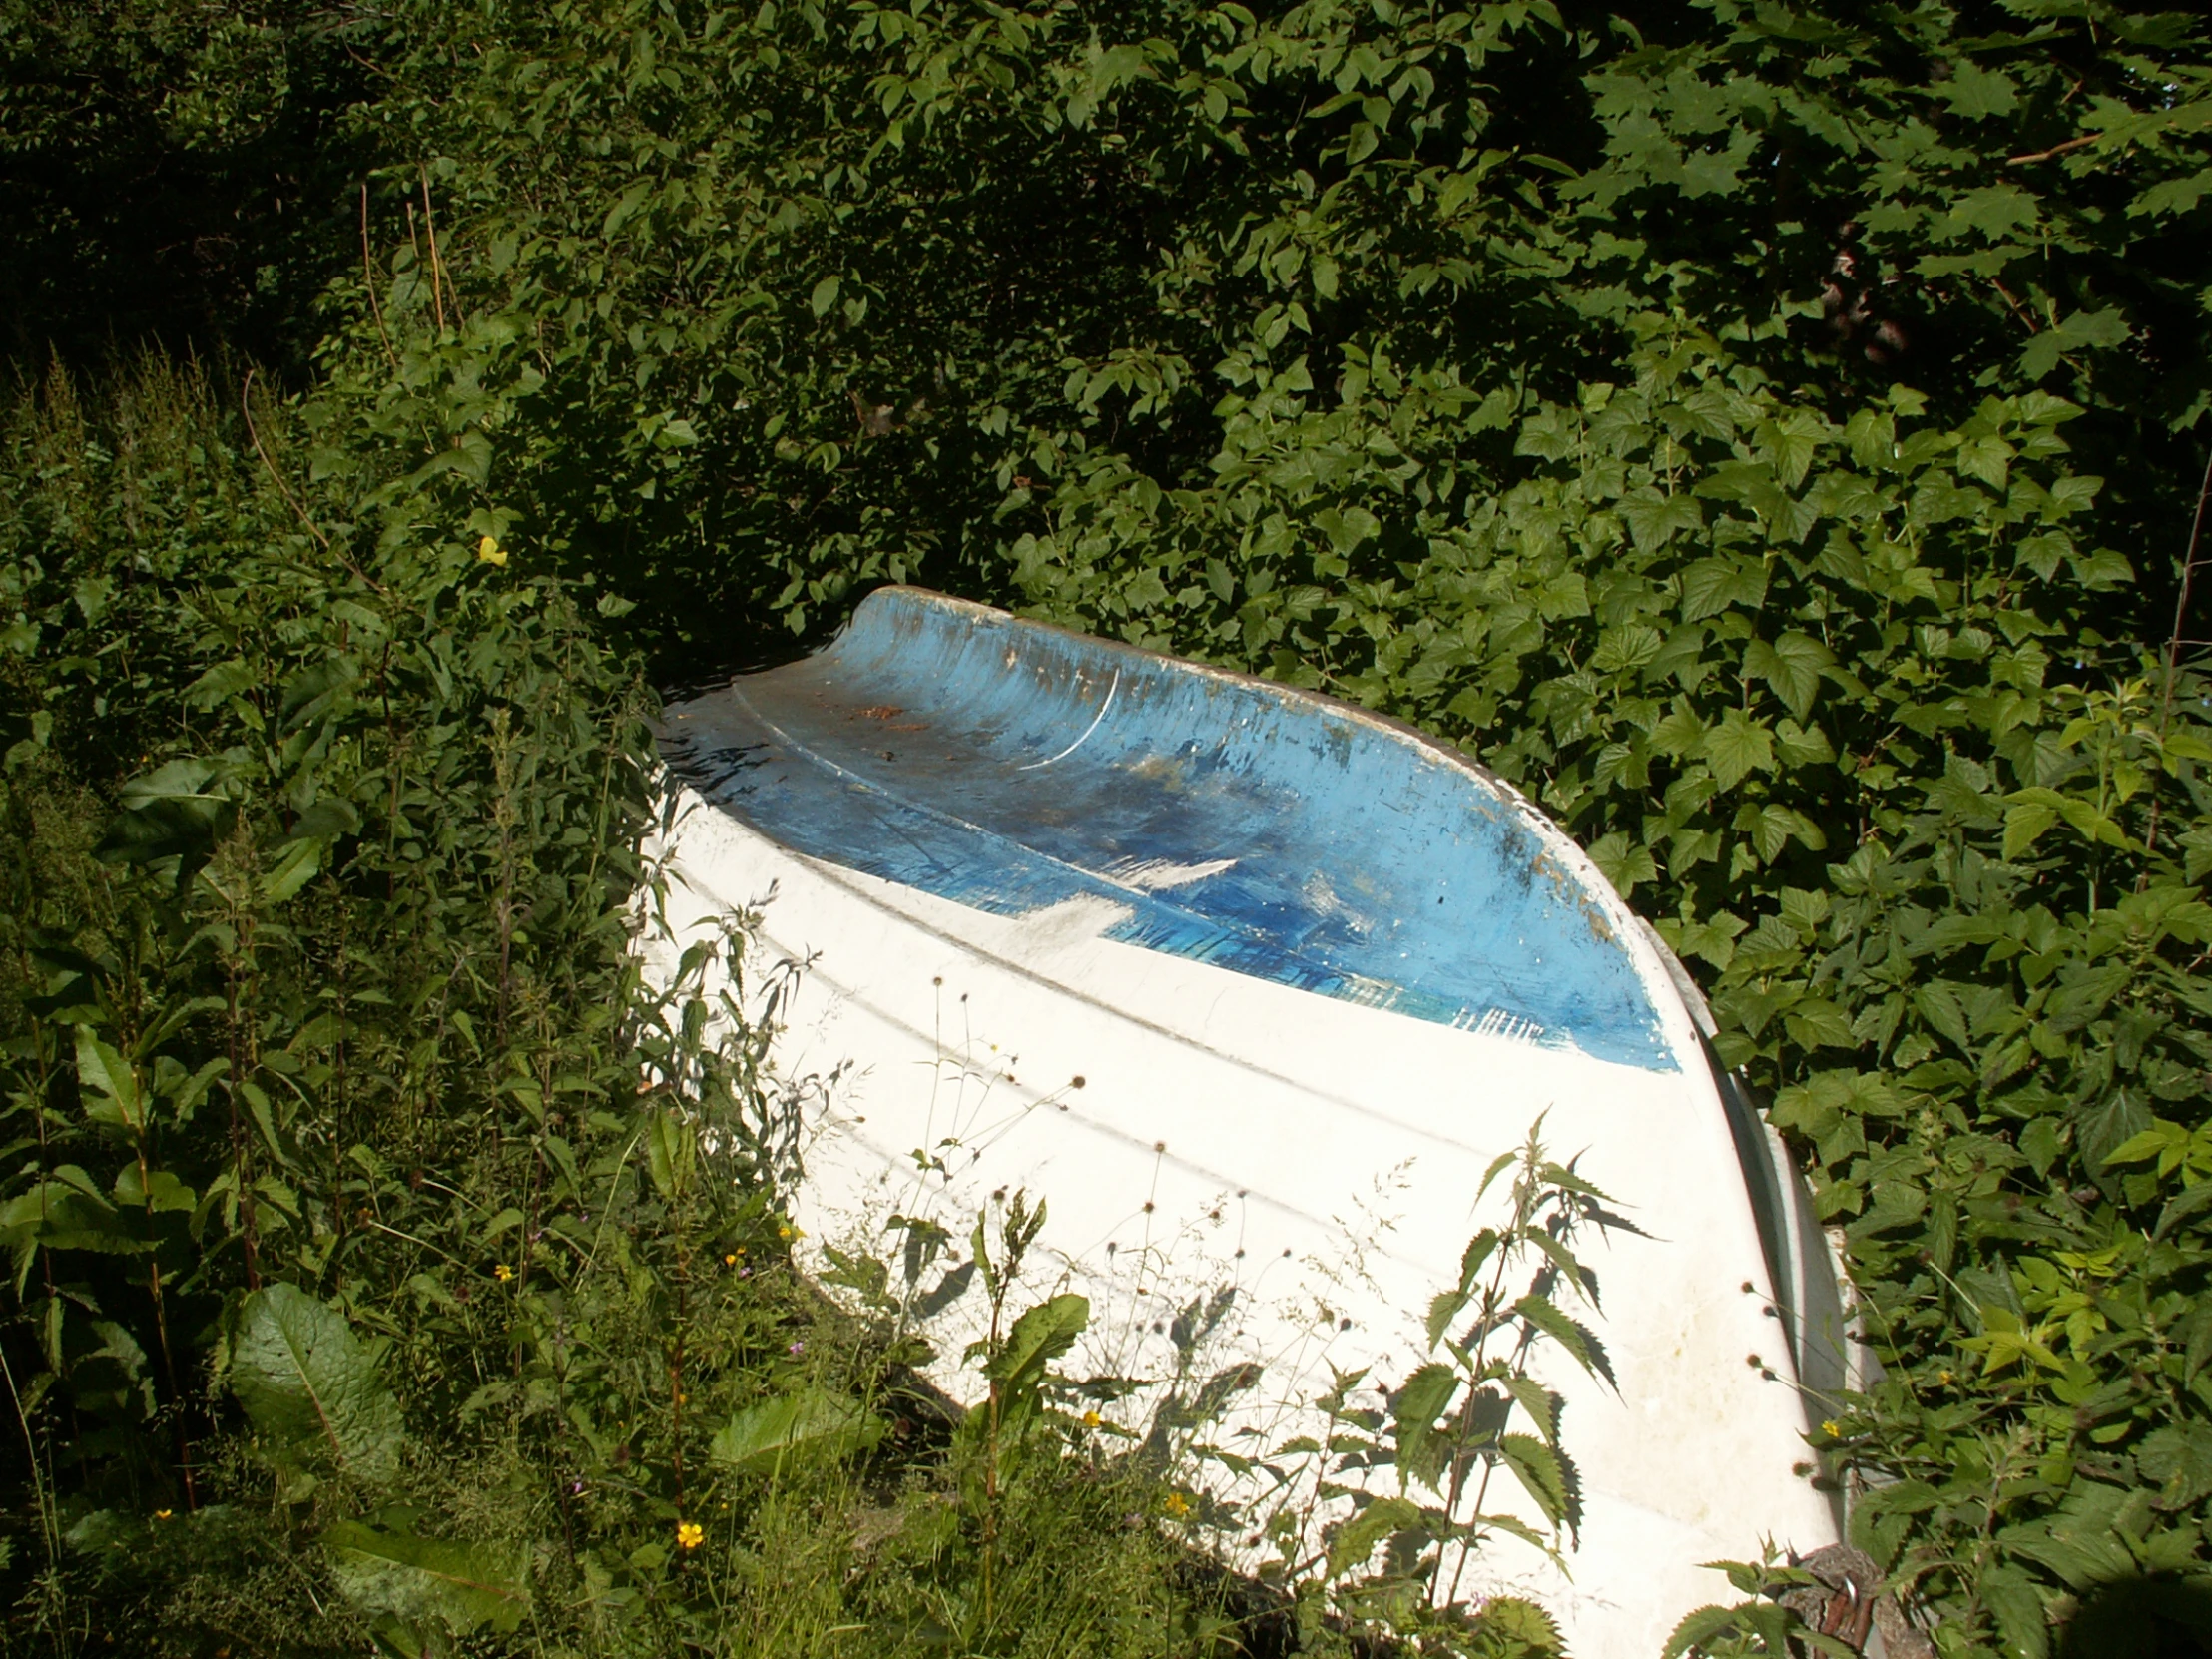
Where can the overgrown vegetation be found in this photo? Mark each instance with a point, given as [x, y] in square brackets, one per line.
[1772, 435]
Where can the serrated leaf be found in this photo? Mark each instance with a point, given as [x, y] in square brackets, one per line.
[1975, 92]
[1426, 1396]
[1541, 1404]
[1525, 1629]
[1513, 1526]
[1792, 666]
[2178, 1458]
[1737, 747]
[2017, 1612]
[294, 869]
[1356, 1538]
[1653, 519]
[2081, 331]
[1712, 585]
[1538, 1467]
[1576, 1339]
[1039, 1336]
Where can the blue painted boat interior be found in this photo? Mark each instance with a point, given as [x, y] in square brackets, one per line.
[1010, 766]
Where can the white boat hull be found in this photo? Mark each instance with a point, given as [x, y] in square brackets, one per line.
[1192, 1127]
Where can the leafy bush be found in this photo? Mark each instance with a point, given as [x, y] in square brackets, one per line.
[1763, 433]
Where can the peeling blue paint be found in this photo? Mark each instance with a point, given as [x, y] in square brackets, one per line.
[1011, 767]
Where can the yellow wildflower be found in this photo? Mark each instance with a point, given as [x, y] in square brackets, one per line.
[489, 551]
[162, 1514]
[1090, 1420]
[690, 1534]
[503, 1273]
[1177, 1504]
[730, 1260]
[1833, 1429]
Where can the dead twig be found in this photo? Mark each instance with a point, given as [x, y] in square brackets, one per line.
[2022, 311]
[437, 266]
[2054, 150]
[246, 407]
[368, 274]
[2174, 641]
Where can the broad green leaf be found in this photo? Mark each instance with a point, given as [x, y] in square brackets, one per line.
[2081, 331]
[1415, 1408]
[109, 1082]
[1792, 666]
[1737, 747]
[295, 869]
[309, 1386]
[64, 1212]
[1712, 585]
[171, 813]
[2173, 196]
[1995, 212]
[2018, 1611]
[1974, 92]
[780, 1433]
[671, 1142]
[625, 206]
[2178, 1457]
[2024, 825]
[1653, 519]
[466, 1587]
[1038, 1338]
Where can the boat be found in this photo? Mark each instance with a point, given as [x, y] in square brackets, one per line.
[1252, 988]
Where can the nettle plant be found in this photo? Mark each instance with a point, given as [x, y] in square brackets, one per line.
[1454, 1434]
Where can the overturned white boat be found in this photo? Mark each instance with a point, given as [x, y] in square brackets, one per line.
[1253, 987]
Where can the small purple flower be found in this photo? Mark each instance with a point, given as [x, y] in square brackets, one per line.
[797, 1348]
[575, 1488]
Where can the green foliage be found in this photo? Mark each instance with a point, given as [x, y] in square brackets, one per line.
[389, 1268]
[168, 175]
[1763, 1626]
[309, 1388]
[810, 1423]
[1452, 1430]
[1766, 434]
[409, 1580]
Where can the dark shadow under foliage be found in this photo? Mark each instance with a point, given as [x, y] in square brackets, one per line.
[2141, 1618]
[174, 176]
